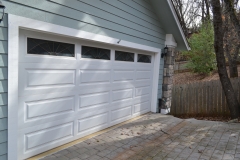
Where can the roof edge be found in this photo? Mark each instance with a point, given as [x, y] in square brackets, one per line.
[178, 23]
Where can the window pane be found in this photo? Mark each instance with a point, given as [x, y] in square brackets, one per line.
[124, 56]
[144, 58]
[45, 47]
[95, 53]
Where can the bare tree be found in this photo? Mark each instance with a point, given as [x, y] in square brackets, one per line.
[188, 12]
[221, 63]
[231, 11]
[231, 46]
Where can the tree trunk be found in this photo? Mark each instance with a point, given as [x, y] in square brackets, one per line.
[232, 61]
[221, 63]
[233, 69]
[233, 17]
[207, 9]
[203, 19]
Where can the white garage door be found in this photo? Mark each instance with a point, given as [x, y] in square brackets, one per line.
[70, 88]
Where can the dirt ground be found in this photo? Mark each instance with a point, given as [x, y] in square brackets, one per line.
[188, 77]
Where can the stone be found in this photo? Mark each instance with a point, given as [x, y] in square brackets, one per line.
[168, 80]
[167, 94]
[167, 87]
[169, 60]
[171, 67]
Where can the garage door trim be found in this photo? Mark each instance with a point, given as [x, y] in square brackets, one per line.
[17, 22]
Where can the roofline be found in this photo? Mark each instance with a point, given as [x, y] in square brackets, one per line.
[178, 23]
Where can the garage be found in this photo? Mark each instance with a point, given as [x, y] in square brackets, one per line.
[69, 88]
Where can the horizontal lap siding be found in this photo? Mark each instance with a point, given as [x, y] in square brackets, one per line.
[113, 18]
[160, 80]
[130, 20]
[3, 88]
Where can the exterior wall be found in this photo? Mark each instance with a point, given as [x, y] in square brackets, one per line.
[130, 20]
[3, 89]
[160, 80]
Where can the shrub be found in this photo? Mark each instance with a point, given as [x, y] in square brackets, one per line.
[202, 56]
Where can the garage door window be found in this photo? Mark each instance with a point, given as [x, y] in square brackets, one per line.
[144, 58]
[45, 47]
[95, 53]
[124, 56]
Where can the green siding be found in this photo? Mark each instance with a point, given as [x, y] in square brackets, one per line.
[130, 20]
[3, 124]
[3, 136]
[3, 47]
[3, 88]
[4, 23]
[3, 72]
[144, 4]
[3, 33]
[160, 80]
[3, 148]
[76, 15]
[3, 98]
[3, 60]
[3, 157]
[3, 113]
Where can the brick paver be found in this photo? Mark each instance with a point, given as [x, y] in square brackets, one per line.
[160, 137]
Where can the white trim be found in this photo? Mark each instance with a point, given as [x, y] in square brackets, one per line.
[170, 41]
[17, 22]
[178, 23]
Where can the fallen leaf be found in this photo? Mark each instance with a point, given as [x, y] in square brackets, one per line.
[200, 151]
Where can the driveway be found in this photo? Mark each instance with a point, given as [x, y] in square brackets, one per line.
[157, 137]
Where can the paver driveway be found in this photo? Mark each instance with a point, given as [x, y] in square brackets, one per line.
[157, 137]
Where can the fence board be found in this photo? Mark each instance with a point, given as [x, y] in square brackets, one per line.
[202, 98]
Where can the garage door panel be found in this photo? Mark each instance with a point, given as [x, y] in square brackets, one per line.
[141, 99]
[142, 91]
[47, 59]
[141, 107]
[143, 75]
[142, 83]
[39, 109]
[93, 89]
[121, 113]
[93, 122]
[144, 66]
[121, 104]
[92, 111]
[53, 78]
[122, 94]
[90, 76]
[36, 133]
[53, 107]
[94, 64]
[93, 99]
[47, 66]
[124, 66]
[122, 85]
[47, 90]
[120, 75]
[48, 135]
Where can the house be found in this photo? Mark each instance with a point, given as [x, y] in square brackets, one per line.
[72, 68]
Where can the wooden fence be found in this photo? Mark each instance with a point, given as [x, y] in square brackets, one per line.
[180, 67]
[202, 99]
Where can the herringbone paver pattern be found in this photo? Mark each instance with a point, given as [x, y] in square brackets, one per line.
[159, 137]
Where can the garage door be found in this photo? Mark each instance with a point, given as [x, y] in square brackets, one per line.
[70, 88]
